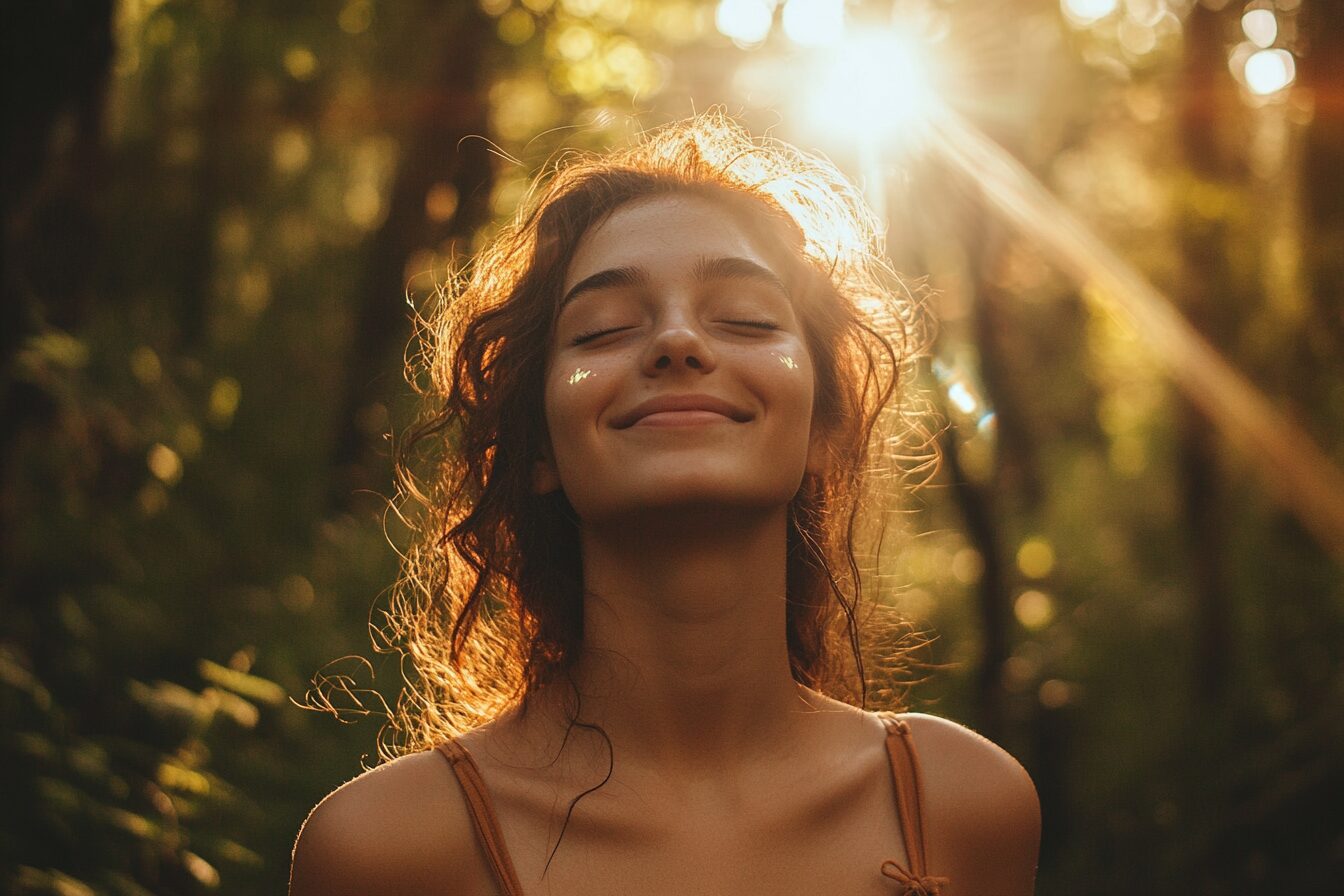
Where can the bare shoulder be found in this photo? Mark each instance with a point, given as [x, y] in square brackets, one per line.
[400, 828]
[994, 779]
[982, 815]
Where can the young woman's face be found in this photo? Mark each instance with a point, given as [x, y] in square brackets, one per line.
[679, 376]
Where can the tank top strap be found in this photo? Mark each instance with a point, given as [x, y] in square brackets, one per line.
[906, 777]
[482, 815]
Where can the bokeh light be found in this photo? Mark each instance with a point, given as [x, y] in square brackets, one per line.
[1085, 12]
[1036, 558]
[745, 21]
[300, 62]
[225, 395]
[441, 202]
[1269, 71]
[1034, 609]
[814, 22]
[1055, 693]
[145, 365]
[1260, 27]
[356, 16]
[164, 463]
[291, 149]
[516, 27]
[581, 8]
[573, 41]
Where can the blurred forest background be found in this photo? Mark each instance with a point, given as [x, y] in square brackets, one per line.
[215, 214]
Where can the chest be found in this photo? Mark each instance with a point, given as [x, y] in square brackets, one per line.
[809, 833]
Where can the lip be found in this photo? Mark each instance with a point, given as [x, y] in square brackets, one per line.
[671, 404]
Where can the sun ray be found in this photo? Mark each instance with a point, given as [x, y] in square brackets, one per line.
[1293, 468]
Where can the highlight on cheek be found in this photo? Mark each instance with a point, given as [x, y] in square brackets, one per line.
[579, 375]
[787, 361]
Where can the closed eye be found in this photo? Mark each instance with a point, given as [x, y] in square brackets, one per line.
[590, 335]
[755, 324]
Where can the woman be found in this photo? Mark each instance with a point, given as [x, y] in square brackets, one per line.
[659, 386]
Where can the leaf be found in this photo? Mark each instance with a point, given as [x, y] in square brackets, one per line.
[252, 686]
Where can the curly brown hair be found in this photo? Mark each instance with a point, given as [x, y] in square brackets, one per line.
[489, 606]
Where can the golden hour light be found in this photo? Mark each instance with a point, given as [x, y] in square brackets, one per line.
[875, 86]
[953, 383]
[1300, 468]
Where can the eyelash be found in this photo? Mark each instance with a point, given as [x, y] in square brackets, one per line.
[594, 334]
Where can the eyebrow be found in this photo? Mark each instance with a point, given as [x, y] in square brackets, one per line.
[605, 280]
[735, 268]
[705, 269]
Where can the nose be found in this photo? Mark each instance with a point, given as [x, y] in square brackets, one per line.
[678, 345]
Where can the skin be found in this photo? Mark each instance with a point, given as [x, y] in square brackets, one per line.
[727, 776]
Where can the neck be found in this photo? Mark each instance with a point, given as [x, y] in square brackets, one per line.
[685, 659]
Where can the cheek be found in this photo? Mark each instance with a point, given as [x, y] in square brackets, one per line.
[799, 377]
[574, 395]
[785, 373]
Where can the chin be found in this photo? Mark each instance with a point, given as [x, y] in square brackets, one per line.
[707, 500]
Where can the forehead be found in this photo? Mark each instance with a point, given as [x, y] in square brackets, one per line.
[665, 235]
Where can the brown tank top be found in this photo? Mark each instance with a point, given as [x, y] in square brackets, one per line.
[904, 772]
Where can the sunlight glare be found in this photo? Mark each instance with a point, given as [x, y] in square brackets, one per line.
[814, 23]
[877, 85]
[745, 21]
[1269, 71]
[1082, 13]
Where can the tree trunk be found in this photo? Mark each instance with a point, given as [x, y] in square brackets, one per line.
[444, 142]
[1208, 91]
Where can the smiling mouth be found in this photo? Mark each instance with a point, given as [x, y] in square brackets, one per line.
[682, 418]
[682, 410]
